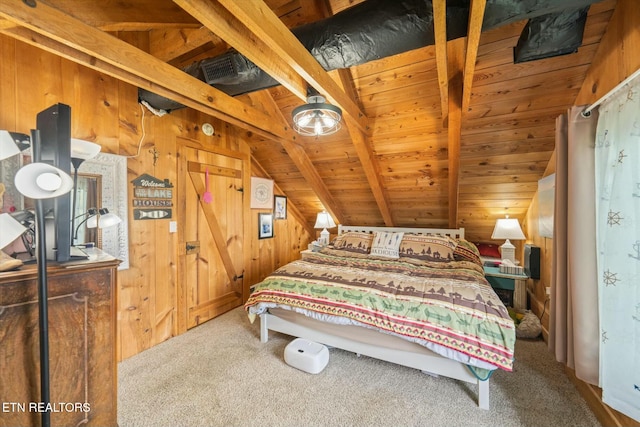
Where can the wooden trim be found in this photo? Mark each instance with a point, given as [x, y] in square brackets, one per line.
[593, 396]
[196, 167]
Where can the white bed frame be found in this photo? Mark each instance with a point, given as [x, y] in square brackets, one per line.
[428, 361]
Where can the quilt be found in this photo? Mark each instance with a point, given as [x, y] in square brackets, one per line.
[449, 304]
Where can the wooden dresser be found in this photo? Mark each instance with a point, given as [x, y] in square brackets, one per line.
[82, 340]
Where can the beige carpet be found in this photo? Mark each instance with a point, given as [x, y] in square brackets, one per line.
[219, 374]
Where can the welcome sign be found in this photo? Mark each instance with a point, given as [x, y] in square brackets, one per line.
[152, 198]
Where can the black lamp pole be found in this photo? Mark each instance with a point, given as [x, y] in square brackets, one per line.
[76, 162]
[43, 303]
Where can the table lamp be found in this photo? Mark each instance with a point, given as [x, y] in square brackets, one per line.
[324, 221]
[508, 228]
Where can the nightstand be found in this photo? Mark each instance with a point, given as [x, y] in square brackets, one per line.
[511, 288]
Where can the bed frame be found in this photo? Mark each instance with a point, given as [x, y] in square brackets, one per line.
[426, 361]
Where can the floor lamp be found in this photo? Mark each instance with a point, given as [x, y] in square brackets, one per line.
[40, 181]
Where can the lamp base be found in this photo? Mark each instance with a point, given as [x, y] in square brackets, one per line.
[508, 251]
[324, 237]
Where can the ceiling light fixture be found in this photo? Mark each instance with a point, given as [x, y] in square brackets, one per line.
[316, 117]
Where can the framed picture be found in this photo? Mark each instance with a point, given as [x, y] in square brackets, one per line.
[261, 193]
[265, 225]
[280, 207]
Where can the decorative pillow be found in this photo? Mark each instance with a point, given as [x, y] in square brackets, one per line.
[467, 251]
[386, 244]
[353, 241]
[489, 250]
[427, 247]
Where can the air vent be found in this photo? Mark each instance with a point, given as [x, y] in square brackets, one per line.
[219, 69]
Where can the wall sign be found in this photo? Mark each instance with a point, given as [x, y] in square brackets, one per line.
[152, 198]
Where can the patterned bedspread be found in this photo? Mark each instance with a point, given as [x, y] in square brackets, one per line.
[449, 304]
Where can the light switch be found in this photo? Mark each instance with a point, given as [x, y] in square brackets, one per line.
[173, 227]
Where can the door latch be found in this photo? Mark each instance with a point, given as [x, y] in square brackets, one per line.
[193, 247]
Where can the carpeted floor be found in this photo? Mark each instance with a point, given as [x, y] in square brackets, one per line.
[219, 374]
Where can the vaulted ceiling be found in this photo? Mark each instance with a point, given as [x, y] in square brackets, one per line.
[452, 133]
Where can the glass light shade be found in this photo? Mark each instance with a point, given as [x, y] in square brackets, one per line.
[11, 229]
[316, 117]
[81, 149]
[507, 228]
[42, 181]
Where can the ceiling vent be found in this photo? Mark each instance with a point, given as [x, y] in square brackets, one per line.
[220, 69]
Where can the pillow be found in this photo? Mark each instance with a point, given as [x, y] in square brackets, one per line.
[353, 241]
[467, 251]
[386, 244]
[489, 250]
[427, 247]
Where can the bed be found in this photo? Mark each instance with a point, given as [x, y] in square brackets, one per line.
[411, 296]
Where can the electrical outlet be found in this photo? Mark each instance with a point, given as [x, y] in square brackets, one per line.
[548, 290]
[173, 227]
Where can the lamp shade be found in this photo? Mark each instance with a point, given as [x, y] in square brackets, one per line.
[508, 228]
[324, 220]
[11, 229]
[42, 181]
[108, 219]
[104, 219]
[81, 149]
[8, 148]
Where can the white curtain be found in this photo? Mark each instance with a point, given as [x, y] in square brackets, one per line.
[617, 156]
[573, 324]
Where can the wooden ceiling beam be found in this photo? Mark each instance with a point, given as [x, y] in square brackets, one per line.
[64, 35]
[362, 144]
[267, 27]
[168, 44]
[440, 35]
[116, 15]
[476, 16]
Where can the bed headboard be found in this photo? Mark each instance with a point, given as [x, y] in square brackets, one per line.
[456, 233]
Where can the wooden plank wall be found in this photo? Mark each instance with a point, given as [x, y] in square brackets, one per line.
[107, 111]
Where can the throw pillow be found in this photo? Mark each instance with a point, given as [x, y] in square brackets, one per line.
[489, 250]
[386, 244]
[354, 241]
[427, 247]
[467, 251]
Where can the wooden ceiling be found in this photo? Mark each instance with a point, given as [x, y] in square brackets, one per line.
[453, 134]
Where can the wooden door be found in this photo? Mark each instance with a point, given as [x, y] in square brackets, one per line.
[212, 265]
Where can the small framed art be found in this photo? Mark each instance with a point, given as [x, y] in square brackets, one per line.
[280, 207]
[265, 225]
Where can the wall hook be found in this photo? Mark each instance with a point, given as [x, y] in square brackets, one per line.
[156, 154]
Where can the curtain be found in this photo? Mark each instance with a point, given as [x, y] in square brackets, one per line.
[617, 154]
[573, 324]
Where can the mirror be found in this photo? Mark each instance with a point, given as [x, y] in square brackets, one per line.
[112, 171]
[88, 195]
